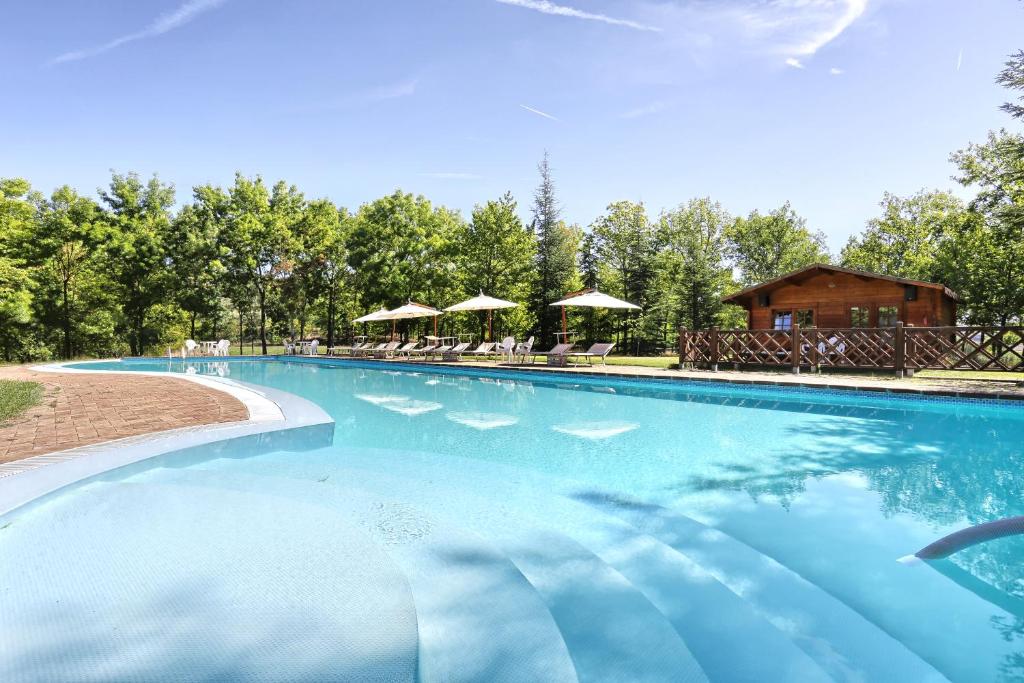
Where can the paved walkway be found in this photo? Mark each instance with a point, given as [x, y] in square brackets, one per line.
[79, 409]
[980, 388]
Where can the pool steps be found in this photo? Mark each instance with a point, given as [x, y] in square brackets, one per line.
[837, 655]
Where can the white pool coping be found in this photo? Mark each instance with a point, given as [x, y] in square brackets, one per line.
[270, 410]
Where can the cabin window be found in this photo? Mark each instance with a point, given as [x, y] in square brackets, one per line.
[860, 316]
[888, 316]
[783, 320]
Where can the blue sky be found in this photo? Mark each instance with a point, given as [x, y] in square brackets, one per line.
[825, 103]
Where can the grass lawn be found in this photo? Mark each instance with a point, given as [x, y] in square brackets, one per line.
[644, 361]
[970, 374]
[17, 397]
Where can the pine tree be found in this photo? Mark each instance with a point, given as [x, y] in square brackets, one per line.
[555, 258]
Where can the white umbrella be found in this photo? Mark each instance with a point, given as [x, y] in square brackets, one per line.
[372, 317]
[482, 303]
[591, 298]
[410, 310]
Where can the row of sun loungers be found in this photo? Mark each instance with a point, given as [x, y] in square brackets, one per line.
[560, 355]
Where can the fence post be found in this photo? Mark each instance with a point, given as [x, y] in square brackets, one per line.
[900, 349]
[714, 348]
[794, 351]
[813, 350]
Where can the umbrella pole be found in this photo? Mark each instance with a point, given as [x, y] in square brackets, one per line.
[564, 330]
[393, 323]
[435, 325]
[490, 334]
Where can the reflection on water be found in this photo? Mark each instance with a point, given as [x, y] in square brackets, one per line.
[596, 431]
[482, 421]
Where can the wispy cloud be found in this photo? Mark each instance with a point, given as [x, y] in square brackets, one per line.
[849, 12]
[647, 110]
[547, 7]
[389, 91]
[538, 112]
[794, 62]
[169, 21]
[450, 175]
[835, 71]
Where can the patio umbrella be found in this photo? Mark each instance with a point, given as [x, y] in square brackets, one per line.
[371, 317]
[410, 310]
[591, 298]
[482, 303]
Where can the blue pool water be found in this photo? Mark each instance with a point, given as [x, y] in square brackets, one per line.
[525, 528]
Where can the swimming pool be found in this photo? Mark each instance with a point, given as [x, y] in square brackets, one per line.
[522, 527]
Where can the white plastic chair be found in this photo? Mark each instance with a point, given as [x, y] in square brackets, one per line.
[313, 347]
[190, 347]
[506, 347]
[223, 347]
[523, 349]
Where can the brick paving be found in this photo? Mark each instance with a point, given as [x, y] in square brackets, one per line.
[79, 409]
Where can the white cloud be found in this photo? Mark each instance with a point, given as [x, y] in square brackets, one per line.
[169, 21]
[547, 7]
[538, 112]
[390, 91]
[835, 71]
[646, 110]
[450, 175]
[794, 62]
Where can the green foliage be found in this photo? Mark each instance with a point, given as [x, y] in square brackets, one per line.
[765, 246]
[906, 239]
[693, 274]
[494, 255]
[1012, 77]
[555, 260]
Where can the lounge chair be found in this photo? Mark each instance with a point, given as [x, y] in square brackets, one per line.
[422, 351]
[405, 348]
[523, 350]
[369, 350]
[556, 356]
[485, 349]
[455, 353]
[595, 351]
[386, 350]
[439, 351]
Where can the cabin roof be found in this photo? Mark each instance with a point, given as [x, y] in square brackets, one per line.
[744, 296]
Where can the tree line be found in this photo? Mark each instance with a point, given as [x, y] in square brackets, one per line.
[128, 272]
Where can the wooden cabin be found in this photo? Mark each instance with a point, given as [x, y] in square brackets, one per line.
[829, 296]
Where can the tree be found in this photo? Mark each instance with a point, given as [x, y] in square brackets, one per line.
[627, 244]
[194, 253]
[138, 221]
[66, 235]
[1012, 77]
[555, 260]
[984, 261]
[256, 238]
[905, 240]
[400, 248]
[495, 253]
[317, 262]
[693, 274]
[767, 246]
[16, 283]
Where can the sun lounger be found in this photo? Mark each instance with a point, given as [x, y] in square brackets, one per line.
[600, 350]
[439, 351]
[369, 350]
[556, 356]
[485, 349]
[422, 351]
[385, 352]
[455, 353]
[403, 349]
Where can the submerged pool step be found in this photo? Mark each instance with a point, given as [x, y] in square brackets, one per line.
[543, 533]
[843, 642]
[850, 646]
[478, 617]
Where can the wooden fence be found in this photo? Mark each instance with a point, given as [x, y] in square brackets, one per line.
[898, 348]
